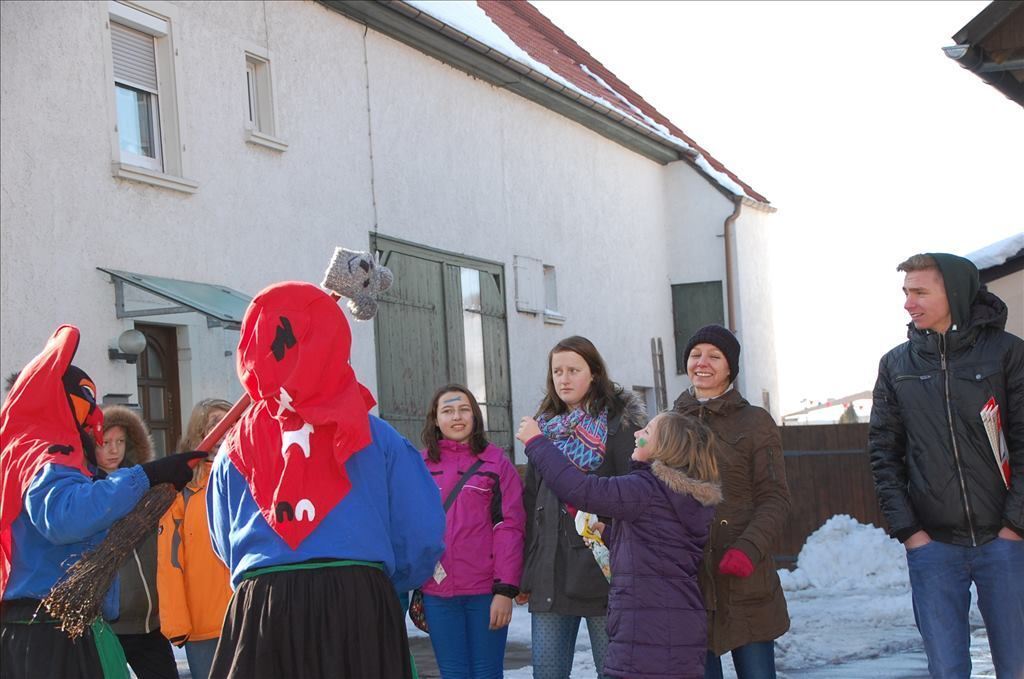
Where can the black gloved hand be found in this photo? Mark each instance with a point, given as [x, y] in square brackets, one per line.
[172, 469]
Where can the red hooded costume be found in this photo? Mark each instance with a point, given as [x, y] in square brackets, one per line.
[309, 413]
[36, 427]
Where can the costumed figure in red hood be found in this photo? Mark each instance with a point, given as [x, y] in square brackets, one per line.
[320, 510]
[53, 511]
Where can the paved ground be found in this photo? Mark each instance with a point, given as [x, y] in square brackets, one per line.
[912, 665]
[516, 656]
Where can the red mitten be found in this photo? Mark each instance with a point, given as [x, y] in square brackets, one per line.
[734, 562]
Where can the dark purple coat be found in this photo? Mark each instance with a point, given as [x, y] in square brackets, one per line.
[657, 625]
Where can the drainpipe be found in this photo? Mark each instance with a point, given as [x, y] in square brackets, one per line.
[729, 298]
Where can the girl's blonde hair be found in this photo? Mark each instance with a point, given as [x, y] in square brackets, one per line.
[196, 430]
[685, 443]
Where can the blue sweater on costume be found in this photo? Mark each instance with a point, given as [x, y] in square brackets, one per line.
[65, 514]
[392, 515]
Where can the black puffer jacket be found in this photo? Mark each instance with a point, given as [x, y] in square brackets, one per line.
[934, 468]
[559, 571]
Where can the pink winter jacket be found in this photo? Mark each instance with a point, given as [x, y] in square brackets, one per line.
[485, 527]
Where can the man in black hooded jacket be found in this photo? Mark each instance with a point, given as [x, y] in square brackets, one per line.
[938, 481]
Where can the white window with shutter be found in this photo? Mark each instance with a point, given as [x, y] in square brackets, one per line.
[146, 122]
[137, 91]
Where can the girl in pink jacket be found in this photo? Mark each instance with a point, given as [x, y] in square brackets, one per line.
[468, 601]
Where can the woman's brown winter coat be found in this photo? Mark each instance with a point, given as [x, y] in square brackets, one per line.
[750, 519]
[139, 606]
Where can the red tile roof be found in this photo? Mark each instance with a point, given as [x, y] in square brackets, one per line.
[536, 35]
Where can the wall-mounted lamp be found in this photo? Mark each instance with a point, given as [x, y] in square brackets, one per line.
[130, 344]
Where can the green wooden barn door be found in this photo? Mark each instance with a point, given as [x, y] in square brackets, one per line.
[443, 320]
[412, 355]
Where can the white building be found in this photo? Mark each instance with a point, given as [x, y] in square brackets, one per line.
[1001, 268]
[519, 190]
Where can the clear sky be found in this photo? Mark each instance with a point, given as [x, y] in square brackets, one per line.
[872, 144]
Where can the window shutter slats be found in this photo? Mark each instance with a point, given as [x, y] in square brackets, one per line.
[134, 56]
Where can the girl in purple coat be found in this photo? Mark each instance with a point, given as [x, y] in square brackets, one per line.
[657, 626]
[468, 601]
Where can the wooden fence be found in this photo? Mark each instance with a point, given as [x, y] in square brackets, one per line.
[829, 473]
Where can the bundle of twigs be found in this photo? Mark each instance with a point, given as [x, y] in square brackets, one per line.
[75, 601]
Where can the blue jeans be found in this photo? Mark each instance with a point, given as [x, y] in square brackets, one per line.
[554, 643]
[200, 657]
[752, 661]
[940, 581]
[464, 646]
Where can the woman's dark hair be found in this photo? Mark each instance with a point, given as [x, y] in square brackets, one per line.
[603, 393]
[432, 434]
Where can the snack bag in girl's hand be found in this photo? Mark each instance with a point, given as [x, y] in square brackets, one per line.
[586, 527]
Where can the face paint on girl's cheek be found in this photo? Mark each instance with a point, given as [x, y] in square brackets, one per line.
[641, 442]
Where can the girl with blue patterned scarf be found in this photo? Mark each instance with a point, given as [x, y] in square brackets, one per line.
[591, 420]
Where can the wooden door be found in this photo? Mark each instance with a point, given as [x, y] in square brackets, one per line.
[412, 351]
[442, 321]
[157, 372]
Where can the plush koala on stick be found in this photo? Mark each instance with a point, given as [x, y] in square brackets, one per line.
[360, 277]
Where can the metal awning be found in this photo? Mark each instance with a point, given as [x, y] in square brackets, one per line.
[222, 306]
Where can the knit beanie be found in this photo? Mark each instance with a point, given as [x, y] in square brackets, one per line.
[724, 340]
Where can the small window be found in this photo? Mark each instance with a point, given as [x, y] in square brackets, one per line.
[551, 313]
[649, 398]
[260, 119]
[251, 85]
[694, 305]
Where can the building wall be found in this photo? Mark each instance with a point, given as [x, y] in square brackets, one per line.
[457, 164]
[755, 324]
[259, 216]
[1010, 289]
[695, 221]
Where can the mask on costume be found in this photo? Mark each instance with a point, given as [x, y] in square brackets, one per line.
[81, 391]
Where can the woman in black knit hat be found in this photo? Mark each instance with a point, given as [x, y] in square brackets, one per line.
[742, 594]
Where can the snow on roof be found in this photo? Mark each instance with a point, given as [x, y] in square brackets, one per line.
[997, 253]
[520, 32]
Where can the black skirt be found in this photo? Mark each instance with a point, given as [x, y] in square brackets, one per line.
[337, 622]
[40, 650]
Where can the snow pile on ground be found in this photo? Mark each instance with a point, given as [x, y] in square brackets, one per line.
[847, 555]
[849, 597]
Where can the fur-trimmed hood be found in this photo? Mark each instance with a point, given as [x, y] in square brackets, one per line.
[704, 492]
[634, 412]
[138, 445]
